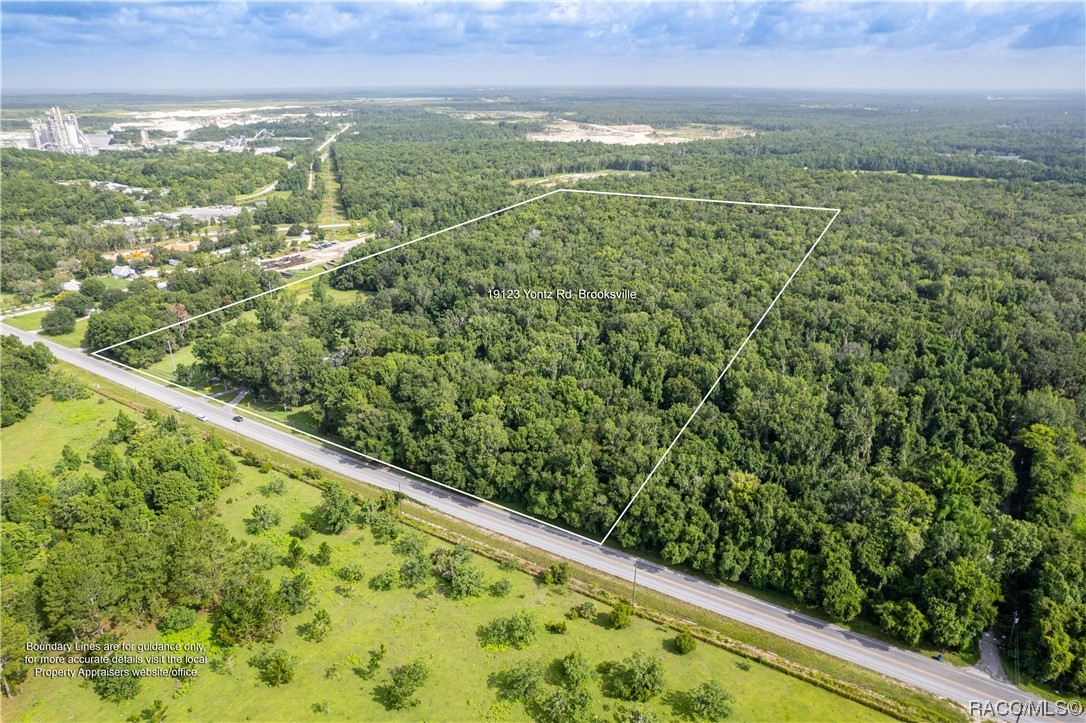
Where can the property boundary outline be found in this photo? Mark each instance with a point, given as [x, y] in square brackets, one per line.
[99, 353]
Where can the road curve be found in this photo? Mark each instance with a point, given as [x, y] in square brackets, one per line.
[967, 687]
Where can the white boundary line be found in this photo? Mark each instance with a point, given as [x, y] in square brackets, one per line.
[836, 211]
[327, 271]
[353, 452]
[719, 378]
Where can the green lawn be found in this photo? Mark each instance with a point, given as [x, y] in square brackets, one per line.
[26, 322]
[73, 338]
[112, 282]
[164, 366]
[32, 322]
[300, 418]
[421, 623]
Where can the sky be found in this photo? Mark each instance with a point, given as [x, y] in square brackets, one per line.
[177, 46]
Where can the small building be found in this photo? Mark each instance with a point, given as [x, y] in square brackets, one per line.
[161, 285]
[71, 285]
[123, 272]
[150, 273]
[174, 262]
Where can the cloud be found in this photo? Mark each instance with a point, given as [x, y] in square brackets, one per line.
[110, 38]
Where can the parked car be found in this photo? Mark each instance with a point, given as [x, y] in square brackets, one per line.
[202, 417]
[178, 408]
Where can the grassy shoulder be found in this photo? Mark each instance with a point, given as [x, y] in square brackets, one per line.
[421, 623]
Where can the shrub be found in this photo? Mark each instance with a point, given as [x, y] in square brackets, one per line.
[522, 682]
[319, 627]
[337, 510]
[517, 631]
[263, 518]
[685, 642]
[274, 486]
[510, 564]
[558, 628]
[711, 701]
[296, 593]
[176, 619]
[352, 575]
[501, 588]
[409, 545]
[414, 570]
[404, 683]
[621, 615]
[639, 677]
[373, 664]
[295, 552]
[323, 558]
[276, 667]
[301, 530]
[586, 610]
[465, 581]
[385, 580]
[576, 669]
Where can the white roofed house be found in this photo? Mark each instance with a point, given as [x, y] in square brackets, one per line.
[123, 272]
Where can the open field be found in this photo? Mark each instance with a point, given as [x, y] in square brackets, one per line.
[928, 177]
[407, 622]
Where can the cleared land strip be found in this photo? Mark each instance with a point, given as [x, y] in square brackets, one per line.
[940, 679]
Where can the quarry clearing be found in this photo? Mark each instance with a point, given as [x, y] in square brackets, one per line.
[565, 131]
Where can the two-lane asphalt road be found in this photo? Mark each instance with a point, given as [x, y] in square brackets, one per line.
[964, 686]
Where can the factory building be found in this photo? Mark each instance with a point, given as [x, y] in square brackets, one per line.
[59, 132]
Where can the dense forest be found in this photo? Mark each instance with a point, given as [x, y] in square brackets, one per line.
[901, 441]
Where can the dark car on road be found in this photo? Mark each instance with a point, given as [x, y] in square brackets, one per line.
[239, 418]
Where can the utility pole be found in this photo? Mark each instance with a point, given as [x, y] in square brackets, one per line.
[1014, 634]
[169, 345]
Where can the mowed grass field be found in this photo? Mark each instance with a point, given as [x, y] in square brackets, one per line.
[422, 623]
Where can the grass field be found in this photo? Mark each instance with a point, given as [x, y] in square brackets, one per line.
[38, 439]
[424, 624]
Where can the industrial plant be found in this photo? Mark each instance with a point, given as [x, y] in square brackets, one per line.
[61, 133]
